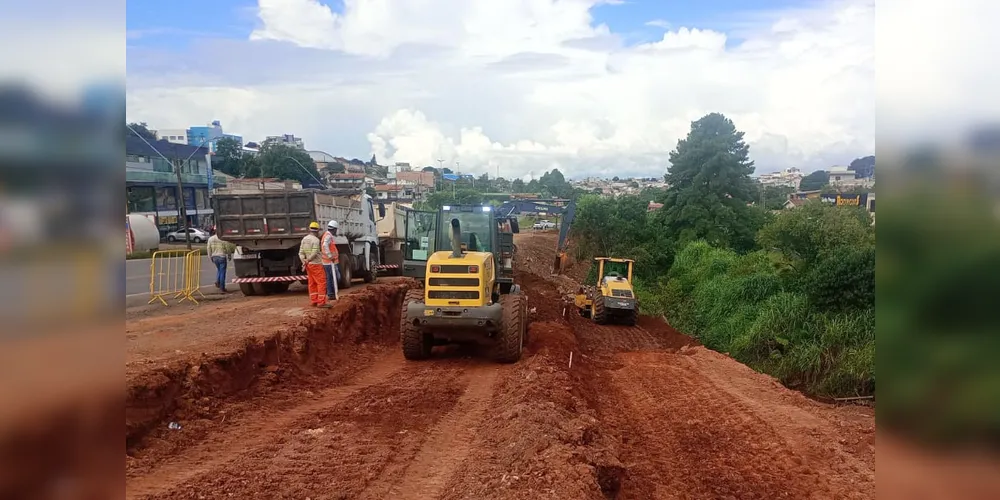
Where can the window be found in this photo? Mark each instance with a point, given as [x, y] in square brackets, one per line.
[419, 235]
[166, 198]
[201, 197]
[141, 199]
[476, 230]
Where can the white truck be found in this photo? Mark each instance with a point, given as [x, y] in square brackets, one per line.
[267, 227]
[405, 239]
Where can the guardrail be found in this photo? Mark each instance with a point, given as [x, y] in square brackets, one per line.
[175, 274]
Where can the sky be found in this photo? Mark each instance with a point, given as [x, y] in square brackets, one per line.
[592, 87]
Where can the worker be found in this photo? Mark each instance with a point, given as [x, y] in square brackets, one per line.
[221, 253]
[312, 264]
[331, 259]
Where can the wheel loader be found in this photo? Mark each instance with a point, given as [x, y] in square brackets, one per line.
[469, 295]
[611, 299]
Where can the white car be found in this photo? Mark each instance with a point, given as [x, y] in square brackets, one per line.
[544, 224]
[197, 235]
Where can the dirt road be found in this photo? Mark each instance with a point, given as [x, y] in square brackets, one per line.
[321, 404]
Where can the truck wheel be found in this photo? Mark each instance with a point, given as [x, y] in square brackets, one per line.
[247, 289]
[276, 287]
[259, 288]
[416, 345]
[510, 339]
[600, 312]
[346, 271]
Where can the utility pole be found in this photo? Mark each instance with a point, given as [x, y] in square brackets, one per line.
[181, 205]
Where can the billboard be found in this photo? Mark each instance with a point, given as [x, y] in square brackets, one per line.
[849, 200]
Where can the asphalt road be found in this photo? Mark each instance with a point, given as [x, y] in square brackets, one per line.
[137, 275]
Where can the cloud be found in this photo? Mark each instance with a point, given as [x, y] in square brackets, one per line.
[526, 85]
[659, 23]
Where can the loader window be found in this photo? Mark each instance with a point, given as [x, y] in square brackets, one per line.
[615, 270]
[476, 230]
[419, 235]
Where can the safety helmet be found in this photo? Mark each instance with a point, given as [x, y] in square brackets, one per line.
[331, 225]
[314, 226]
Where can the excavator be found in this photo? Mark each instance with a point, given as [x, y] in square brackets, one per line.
[469, 294]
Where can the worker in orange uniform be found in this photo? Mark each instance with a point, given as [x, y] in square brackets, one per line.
[331, 259]
[312, 263]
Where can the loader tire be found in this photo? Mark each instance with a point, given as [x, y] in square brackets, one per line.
[632, 317]
[510, 338]
[600, 312]
[416, 345]
[346, 271]
[247, 289]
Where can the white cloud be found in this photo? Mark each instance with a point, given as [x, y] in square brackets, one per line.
[531, 84]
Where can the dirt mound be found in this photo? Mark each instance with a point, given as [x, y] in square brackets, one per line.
[191, 389]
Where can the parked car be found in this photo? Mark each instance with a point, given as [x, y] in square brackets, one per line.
[197, 235]
[544, 224]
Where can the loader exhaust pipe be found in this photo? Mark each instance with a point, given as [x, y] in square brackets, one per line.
[456, 239]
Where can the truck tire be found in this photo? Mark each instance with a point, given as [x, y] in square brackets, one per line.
[510, 338]
[276, 287]
[416, 345]
[346, 271]
[259, 288]
[600, 312]
[247, 289]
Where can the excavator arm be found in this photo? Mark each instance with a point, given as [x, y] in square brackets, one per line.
[566, 221]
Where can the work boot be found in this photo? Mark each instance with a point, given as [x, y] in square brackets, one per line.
[324, 306]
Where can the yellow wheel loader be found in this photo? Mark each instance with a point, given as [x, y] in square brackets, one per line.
[611, 299]
[469, 295]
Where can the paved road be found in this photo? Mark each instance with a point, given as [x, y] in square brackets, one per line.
[137, 275]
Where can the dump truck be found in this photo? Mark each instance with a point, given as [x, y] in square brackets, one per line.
[406, 238]
[611, 298]
[469, 294]
[268, 225]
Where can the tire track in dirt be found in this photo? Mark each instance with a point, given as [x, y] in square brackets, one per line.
[215, 452]
[448, 444]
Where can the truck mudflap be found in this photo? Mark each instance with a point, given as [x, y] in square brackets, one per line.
[440, 317]
[270, 279]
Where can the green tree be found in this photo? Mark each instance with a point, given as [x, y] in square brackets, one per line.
[710, 187]
[815, 230]
[863, 167]
[553, 183]
[776, 196]
[335, 168]
[140, 129]
[287, 162]
[228, 157]
[815, 180]
[517, 186]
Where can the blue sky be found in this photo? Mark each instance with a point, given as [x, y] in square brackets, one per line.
[173, 24]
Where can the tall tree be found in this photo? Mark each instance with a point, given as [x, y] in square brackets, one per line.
[710, 187]
[517, 186]
[140, 129]
[287, 162]
[228, 157]
[815, 180]
[863, 167]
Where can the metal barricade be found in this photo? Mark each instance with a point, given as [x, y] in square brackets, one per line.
[175, 274]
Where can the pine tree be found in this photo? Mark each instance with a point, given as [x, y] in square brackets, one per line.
[710, 187]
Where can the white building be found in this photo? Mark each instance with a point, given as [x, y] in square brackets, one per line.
[286, 139]
[841, 177]
[789, 177]
[174, 135]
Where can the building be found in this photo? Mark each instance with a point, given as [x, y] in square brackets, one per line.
[841, 177]
[209, 135]
[417, 177]
[286, 139]
[174, 135]
[789, 177]
[151, 182]
[399, 192]
[347, 181]
[653, 206]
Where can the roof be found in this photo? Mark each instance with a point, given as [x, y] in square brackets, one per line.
[347, 176]
[136, 146]
[796, 202]
[388, 187]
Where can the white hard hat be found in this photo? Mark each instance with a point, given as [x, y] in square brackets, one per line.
[332, 224]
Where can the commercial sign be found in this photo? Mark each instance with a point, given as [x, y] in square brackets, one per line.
[846, 200]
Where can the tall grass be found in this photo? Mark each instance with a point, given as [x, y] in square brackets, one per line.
[748, 306]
